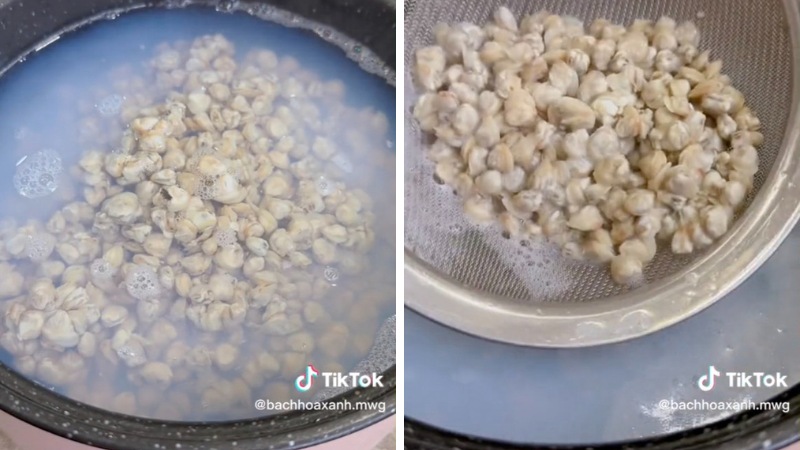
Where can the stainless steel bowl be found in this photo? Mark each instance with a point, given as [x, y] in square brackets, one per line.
[461, 276]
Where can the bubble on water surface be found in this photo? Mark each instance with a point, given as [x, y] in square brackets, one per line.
[36, 175]
[331, 274]
[225, 238]
[324, 186]
[142, 282]
[40, 246]
[207, 188]
[101, 269]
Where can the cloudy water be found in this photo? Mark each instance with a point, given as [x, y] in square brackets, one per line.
[197, 206]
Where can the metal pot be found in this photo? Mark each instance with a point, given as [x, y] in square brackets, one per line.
[23, 26]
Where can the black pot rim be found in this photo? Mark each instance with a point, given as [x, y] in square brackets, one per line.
[747, 430]
[93, 426]
[80, 422]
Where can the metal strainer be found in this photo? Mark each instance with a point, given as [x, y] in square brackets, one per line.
[524, 292]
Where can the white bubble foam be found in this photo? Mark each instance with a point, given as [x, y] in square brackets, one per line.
[381, 357]
[225, 238]
[40, 246]
[142, 282]
[357, 52]
[37, 175]
[324, 186]
[207, 188]
[538, 266]
[101, 269]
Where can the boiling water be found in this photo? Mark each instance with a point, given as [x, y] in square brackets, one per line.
[78, 96]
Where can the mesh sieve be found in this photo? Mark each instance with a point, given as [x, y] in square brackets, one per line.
[753, 39]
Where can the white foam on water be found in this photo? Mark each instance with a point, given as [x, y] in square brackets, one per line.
[361, 54]
[539, 265]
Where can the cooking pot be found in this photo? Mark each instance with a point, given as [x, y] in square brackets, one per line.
[24, 26]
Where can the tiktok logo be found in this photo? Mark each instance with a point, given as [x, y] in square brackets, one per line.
[706, 382]
[304, 382]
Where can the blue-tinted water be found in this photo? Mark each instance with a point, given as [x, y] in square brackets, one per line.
[37, 97]
[50, 102]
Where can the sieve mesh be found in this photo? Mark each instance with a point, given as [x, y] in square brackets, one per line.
[751, 38]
